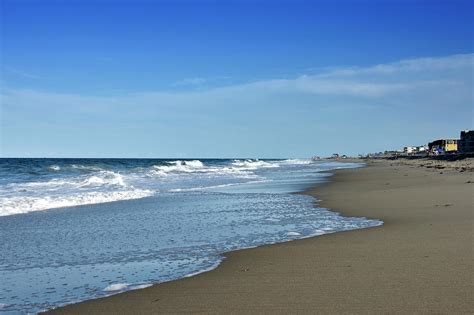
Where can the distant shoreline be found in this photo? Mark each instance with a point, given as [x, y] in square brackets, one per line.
[420, 260]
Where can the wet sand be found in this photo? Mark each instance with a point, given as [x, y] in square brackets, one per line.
[419, 261]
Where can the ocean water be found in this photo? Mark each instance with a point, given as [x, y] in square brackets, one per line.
[77, 229]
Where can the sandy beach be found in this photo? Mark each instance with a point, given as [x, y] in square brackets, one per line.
[419, 261]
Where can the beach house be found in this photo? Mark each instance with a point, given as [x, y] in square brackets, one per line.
[409, 150]
[415, 150]
[442, 146]
[421, 149]
[466, 142]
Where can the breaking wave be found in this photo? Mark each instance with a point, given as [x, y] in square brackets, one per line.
[237, 168]
[17, 205]
[298, 161]
[180, 166]
[118, 287]
[98, 187]
[254, 164]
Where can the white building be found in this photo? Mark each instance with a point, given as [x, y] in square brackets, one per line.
[415, 149]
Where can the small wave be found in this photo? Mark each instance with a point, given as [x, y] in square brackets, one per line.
[101, 179]
[179, 166]
[104, 178]
[197, 167]
[241, 168]
[116, 287]
[297, 161]
[212, 267]
[293, 234]
[93, 180]
[140, 286]
[194, 163]
[54, 168]
[125, 286]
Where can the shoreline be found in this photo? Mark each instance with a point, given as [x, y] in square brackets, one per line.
[330, 273]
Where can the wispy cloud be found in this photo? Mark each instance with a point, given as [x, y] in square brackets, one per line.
[416, 65]
[416, 77]
[21, 73]
[190, 81]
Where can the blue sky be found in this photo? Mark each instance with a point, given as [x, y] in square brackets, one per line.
[232, 79]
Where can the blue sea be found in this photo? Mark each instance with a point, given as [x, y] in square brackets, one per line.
[78, 229]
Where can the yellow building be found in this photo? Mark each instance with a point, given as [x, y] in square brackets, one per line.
[443, 145]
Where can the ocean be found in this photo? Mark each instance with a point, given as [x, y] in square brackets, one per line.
[78, 229]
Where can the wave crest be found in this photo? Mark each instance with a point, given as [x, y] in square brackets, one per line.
[104, 178]
[17, 205]
[297, 161]
[179, 166]
[254, 164]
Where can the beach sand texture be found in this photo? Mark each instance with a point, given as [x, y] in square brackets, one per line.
[419, 261]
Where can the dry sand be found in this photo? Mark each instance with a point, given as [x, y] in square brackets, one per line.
[462, 165]
[419, 261]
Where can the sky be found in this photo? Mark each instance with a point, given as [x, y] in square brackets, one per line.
[256, 79]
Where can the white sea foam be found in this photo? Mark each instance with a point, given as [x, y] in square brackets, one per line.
[54, 168]
[241, 168]
[179, 166]
[125, 286]
[197, 167]
[293, 234]
[214, 266]
[140, 286]
[116, 287]
[25, 204]
[93, 180]
[297, 161]
[319, 232]
[254, 164]
[194, 163]
[326, 229]
[104, 178]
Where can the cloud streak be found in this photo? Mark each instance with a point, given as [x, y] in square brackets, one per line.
[21, 73]
[403, 77]
[190, 81]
